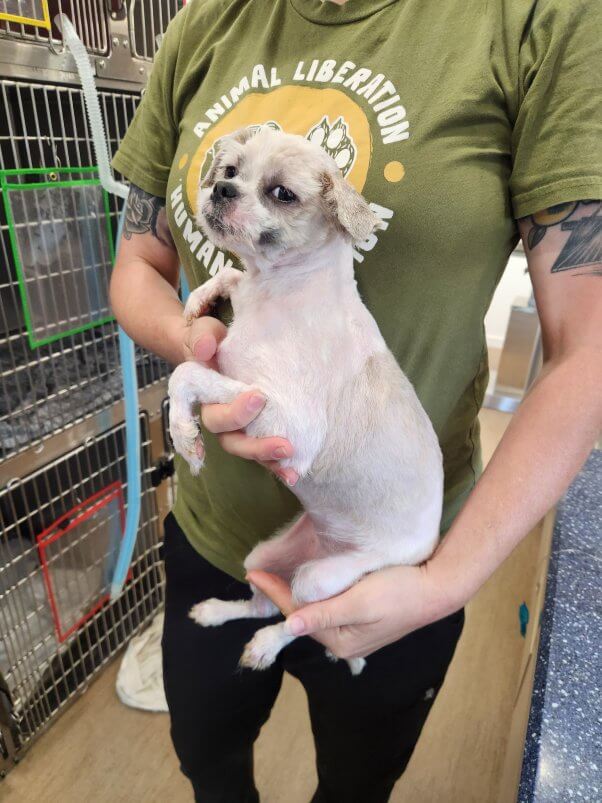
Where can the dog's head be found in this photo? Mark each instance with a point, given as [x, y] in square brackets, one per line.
[269, 193]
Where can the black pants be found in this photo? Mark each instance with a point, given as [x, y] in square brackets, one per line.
[365, 727]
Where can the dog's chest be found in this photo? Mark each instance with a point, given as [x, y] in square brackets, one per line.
[268, 356]
[297, 356]
[286, 344]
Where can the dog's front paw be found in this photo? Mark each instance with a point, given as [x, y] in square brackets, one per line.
[198, 303]
[187, 441]
[210, 613]
[183, 425]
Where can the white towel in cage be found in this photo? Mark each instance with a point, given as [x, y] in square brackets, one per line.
[140, 677]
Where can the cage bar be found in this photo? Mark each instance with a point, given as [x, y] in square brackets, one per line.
[148, 22]
[61, 435]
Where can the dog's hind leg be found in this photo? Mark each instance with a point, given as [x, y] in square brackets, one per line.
[356, 665]
[328, 576]
[213, 612]
[287, 549]
[265, 645]
[280, 554]
[262, 650]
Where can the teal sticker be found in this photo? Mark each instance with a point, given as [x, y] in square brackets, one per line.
[523, 618]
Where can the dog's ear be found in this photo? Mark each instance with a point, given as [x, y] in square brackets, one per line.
[349, 209]
[241, 136]
[209, 179]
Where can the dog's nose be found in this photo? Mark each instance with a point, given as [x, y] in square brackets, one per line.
[224, 189]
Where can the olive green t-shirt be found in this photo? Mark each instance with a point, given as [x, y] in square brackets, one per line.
[453, 118]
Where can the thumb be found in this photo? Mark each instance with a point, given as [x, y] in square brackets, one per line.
[273, 587]
[204, 336]
[309, 619]
[318, 616]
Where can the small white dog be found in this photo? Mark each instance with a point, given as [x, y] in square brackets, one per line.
[369, 463]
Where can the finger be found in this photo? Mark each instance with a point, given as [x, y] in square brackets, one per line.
[262, 449]
[309, 619]
[275, 588]
[279, 592]
[204, 336]
[319, 616]
[287, 475]
[230, 417]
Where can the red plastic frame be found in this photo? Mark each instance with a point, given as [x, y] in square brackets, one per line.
[92, 504]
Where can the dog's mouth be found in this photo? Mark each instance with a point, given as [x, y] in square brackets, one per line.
[216, 223]
[269, 237]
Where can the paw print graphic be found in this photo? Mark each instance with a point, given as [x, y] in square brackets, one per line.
[336, 141]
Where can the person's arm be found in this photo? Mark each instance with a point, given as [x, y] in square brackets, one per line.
[145, 279]
[542, 450]
[145, 301]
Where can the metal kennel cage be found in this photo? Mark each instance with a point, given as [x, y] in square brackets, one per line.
[58, 630]
[63, 483]
[53, 386]
[90, 18]
[148, 20]
[120, 37]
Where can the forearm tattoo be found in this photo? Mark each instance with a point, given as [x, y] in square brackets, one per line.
[145, 212]
[582, 250]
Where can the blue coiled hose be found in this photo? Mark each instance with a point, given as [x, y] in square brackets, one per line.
[127, 356]
[127, 352]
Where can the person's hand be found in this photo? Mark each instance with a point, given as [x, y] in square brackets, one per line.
[201, 341]
[379, 609]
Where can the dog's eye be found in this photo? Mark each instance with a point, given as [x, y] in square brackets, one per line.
[230, 171]
[282, 194]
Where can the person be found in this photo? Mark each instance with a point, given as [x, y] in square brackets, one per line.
[463, 123]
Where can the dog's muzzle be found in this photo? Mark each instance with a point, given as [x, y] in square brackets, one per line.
[223, 191]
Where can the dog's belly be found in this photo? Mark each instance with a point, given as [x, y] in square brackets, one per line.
[366, 439]
[368, 458]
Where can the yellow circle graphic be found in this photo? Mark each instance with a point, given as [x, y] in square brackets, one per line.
[394, 171]
[183, 161]
[296, 110]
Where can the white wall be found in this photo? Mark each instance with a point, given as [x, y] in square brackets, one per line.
[514, 287]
